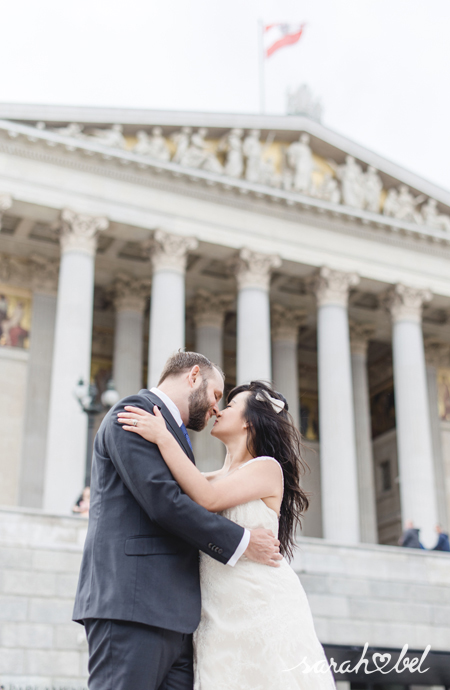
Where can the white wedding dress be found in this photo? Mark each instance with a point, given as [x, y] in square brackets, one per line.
[256, 624]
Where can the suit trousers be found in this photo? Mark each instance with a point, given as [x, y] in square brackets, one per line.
[132, 656]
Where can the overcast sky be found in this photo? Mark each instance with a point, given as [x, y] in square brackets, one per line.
[380, 67]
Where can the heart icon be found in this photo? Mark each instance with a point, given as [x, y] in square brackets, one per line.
[383, 658]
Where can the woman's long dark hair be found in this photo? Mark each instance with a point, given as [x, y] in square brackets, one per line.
[275, 434]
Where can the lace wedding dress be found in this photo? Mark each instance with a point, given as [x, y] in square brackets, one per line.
[256, 625]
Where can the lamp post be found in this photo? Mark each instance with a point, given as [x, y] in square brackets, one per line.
[87, 397]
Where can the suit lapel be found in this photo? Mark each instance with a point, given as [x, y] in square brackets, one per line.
[175, 429]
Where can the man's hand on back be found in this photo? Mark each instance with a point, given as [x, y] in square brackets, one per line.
[264, 548]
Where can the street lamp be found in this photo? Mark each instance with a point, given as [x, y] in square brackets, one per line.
[87, 397]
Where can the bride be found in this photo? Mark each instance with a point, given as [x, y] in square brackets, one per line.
[256, 630]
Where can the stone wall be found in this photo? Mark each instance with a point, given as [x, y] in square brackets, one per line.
[383, 595]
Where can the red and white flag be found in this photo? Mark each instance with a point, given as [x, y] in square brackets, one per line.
[278, 36]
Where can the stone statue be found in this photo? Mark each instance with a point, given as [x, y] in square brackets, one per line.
[328, 190]
[181, 140]
[373, 187]
[351, 177]
[301, 101]
[252, 149]
[153, 146]
[231, 143]
[111, 137]
[300, 158]
[73, 130]
[352, 182]
[432, 218]
[198, 155]
[391, 207]
[406, 205]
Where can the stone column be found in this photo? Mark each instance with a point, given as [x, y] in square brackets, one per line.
[44, 282]
[415, 450]
[339, 474]
[285, 325]
[253, 315]
[167, 309]
[209, 315]
[360, 335]
[5, 205]
[67, 428]
[130, 296]
[437, 354]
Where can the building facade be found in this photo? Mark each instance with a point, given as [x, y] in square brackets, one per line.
[278, 248]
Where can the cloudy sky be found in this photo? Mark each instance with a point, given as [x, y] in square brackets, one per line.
[380, 67]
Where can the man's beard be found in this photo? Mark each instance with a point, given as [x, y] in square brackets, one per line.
[198, 407]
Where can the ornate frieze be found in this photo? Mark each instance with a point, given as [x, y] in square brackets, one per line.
[78, 231]
[253, 269]
[437, 353]
[406, 303]
[332, 287]
[44, 273]
[169, 252]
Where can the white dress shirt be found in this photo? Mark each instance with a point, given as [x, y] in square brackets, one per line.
[175, 412]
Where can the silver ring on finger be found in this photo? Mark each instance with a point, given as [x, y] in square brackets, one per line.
[135, 423]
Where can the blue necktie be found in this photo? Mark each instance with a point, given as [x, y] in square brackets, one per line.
[186, 435]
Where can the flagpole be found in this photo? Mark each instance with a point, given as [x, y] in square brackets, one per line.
[261, 65]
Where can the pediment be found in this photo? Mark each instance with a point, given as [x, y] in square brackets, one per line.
[292, 159]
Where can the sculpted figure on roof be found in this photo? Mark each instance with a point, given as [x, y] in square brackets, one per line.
[300, 158]
[373, 187]
[231, 143]
[199, 155]
[154, 146]
[73, 130]
[111, 137]
[181, 140]
[432, 218]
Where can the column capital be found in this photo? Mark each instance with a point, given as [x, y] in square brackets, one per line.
[210, 308]
[253, 269]
[170, 251]
[78, 231]
[44, 272]
[129, 293]
[405, 303]
[5, 204]
[437, 353]
[360, 334]
[286, 322]
[331, 286]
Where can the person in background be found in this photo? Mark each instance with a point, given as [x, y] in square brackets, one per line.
[410, 537]
[443, 543]
[82, 505]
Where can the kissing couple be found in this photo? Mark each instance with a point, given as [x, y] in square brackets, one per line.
[185, 581]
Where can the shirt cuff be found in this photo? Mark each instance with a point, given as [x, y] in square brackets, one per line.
[241, 548]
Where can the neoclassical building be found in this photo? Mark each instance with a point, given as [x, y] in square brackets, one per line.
[282, 251]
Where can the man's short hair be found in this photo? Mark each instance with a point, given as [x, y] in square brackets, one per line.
[184, 361]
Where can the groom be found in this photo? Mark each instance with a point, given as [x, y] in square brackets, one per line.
[139, 593]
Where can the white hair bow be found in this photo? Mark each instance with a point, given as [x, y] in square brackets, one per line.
[277, 404]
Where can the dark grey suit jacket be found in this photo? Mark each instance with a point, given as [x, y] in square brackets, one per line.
[141, 560]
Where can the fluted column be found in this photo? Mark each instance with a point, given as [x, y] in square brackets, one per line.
[415, 450]
[253, 315]
[44, 283]
[285, 325]
[209, 315]
[437, 354]
[130, 296]
[338, 466]
[67, 428]
[167, 312]
[360, 335]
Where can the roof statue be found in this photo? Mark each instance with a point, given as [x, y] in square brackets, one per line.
[301, 101]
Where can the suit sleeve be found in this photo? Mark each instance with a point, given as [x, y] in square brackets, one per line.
[146, 475]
